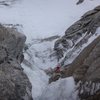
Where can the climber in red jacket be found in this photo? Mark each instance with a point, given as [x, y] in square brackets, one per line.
[58, 69]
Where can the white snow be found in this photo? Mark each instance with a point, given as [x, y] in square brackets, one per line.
[38, 79]
[63, 89]
[40, 19]
[43, 18]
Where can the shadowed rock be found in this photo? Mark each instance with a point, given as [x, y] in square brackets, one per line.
[14, 84]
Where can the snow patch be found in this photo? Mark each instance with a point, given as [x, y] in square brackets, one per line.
[63, 89]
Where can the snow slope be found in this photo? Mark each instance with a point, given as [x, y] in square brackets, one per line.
[57, 90]
[43, 18]
[40, 19]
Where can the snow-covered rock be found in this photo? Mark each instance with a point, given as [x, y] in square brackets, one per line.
[77, 35]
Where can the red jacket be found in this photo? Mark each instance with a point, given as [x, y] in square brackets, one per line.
[57, 69]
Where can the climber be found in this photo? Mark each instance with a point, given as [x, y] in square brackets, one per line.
[56, 74]
[58, 69]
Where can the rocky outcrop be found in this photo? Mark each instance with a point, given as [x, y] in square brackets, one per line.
[78, 34]
[72, 42]
[79, 2]
[89, 90]
[86, 66]
[86, 71]
[7, 3]
[14, 84]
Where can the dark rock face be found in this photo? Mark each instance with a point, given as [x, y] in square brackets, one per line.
[80, 1]
[87, 26]
[7, 3]
[14, 84]
[89, 90]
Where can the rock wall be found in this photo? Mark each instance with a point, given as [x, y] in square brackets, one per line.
[86, 27]
[86, 66]
[14, 84]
